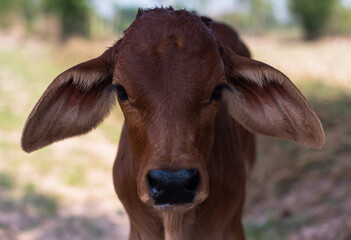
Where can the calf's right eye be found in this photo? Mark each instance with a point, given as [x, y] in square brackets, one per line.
[217, 92]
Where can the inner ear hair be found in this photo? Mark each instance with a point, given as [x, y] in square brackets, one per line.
[265, 101]
[73, 104]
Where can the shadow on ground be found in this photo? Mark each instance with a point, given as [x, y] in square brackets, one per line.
[29, 214]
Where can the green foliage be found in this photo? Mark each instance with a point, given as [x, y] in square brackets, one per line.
[313, 15]
[256, 21]
[261, 15]
[340, 20]
[238, 20]
[125, 17]
[5, 13]
[72, 15]
[28, 10]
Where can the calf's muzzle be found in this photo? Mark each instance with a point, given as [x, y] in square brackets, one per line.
[173, 187]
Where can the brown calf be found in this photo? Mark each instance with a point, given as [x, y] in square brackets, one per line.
[191, 98]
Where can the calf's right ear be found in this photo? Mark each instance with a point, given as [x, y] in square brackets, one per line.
[73, 104]
[265, 101]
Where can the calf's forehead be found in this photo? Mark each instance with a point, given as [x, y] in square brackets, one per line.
[174, 53]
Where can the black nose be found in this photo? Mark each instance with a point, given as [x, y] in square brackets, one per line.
[173, 187]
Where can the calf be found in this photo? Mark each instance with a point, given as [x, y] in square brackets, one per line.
[192, 99]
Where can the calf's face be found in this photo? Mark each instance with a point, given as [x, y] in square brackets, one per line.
[170, 81]
[169, 88]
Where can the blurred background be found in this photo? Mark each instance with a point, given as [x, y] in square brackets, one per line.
[65, 191]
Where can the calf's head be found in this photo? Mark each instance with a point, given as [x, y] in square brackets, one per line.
[170, 75]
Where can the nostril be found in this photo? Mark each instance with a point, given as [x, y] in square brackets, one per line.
[194, 182]
[154, 185]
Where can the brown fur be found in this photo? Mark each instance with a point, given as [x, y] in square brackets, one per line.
[169, 63]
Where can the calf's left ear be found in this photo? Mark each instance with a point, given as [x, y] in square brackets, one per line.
[265, 101]
[73, 104]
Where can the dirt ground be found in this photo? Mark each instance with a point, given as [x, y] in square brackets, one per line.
[65, 191]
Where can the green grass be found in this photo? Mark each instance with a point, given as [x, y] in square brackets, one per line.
[269, 230]
[75, 176]
[38, 204]
[7, 181]
[26, 199]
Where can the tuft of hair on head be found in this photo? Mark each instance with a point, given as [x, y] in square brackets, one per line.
[170, 8]
[140, 13]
